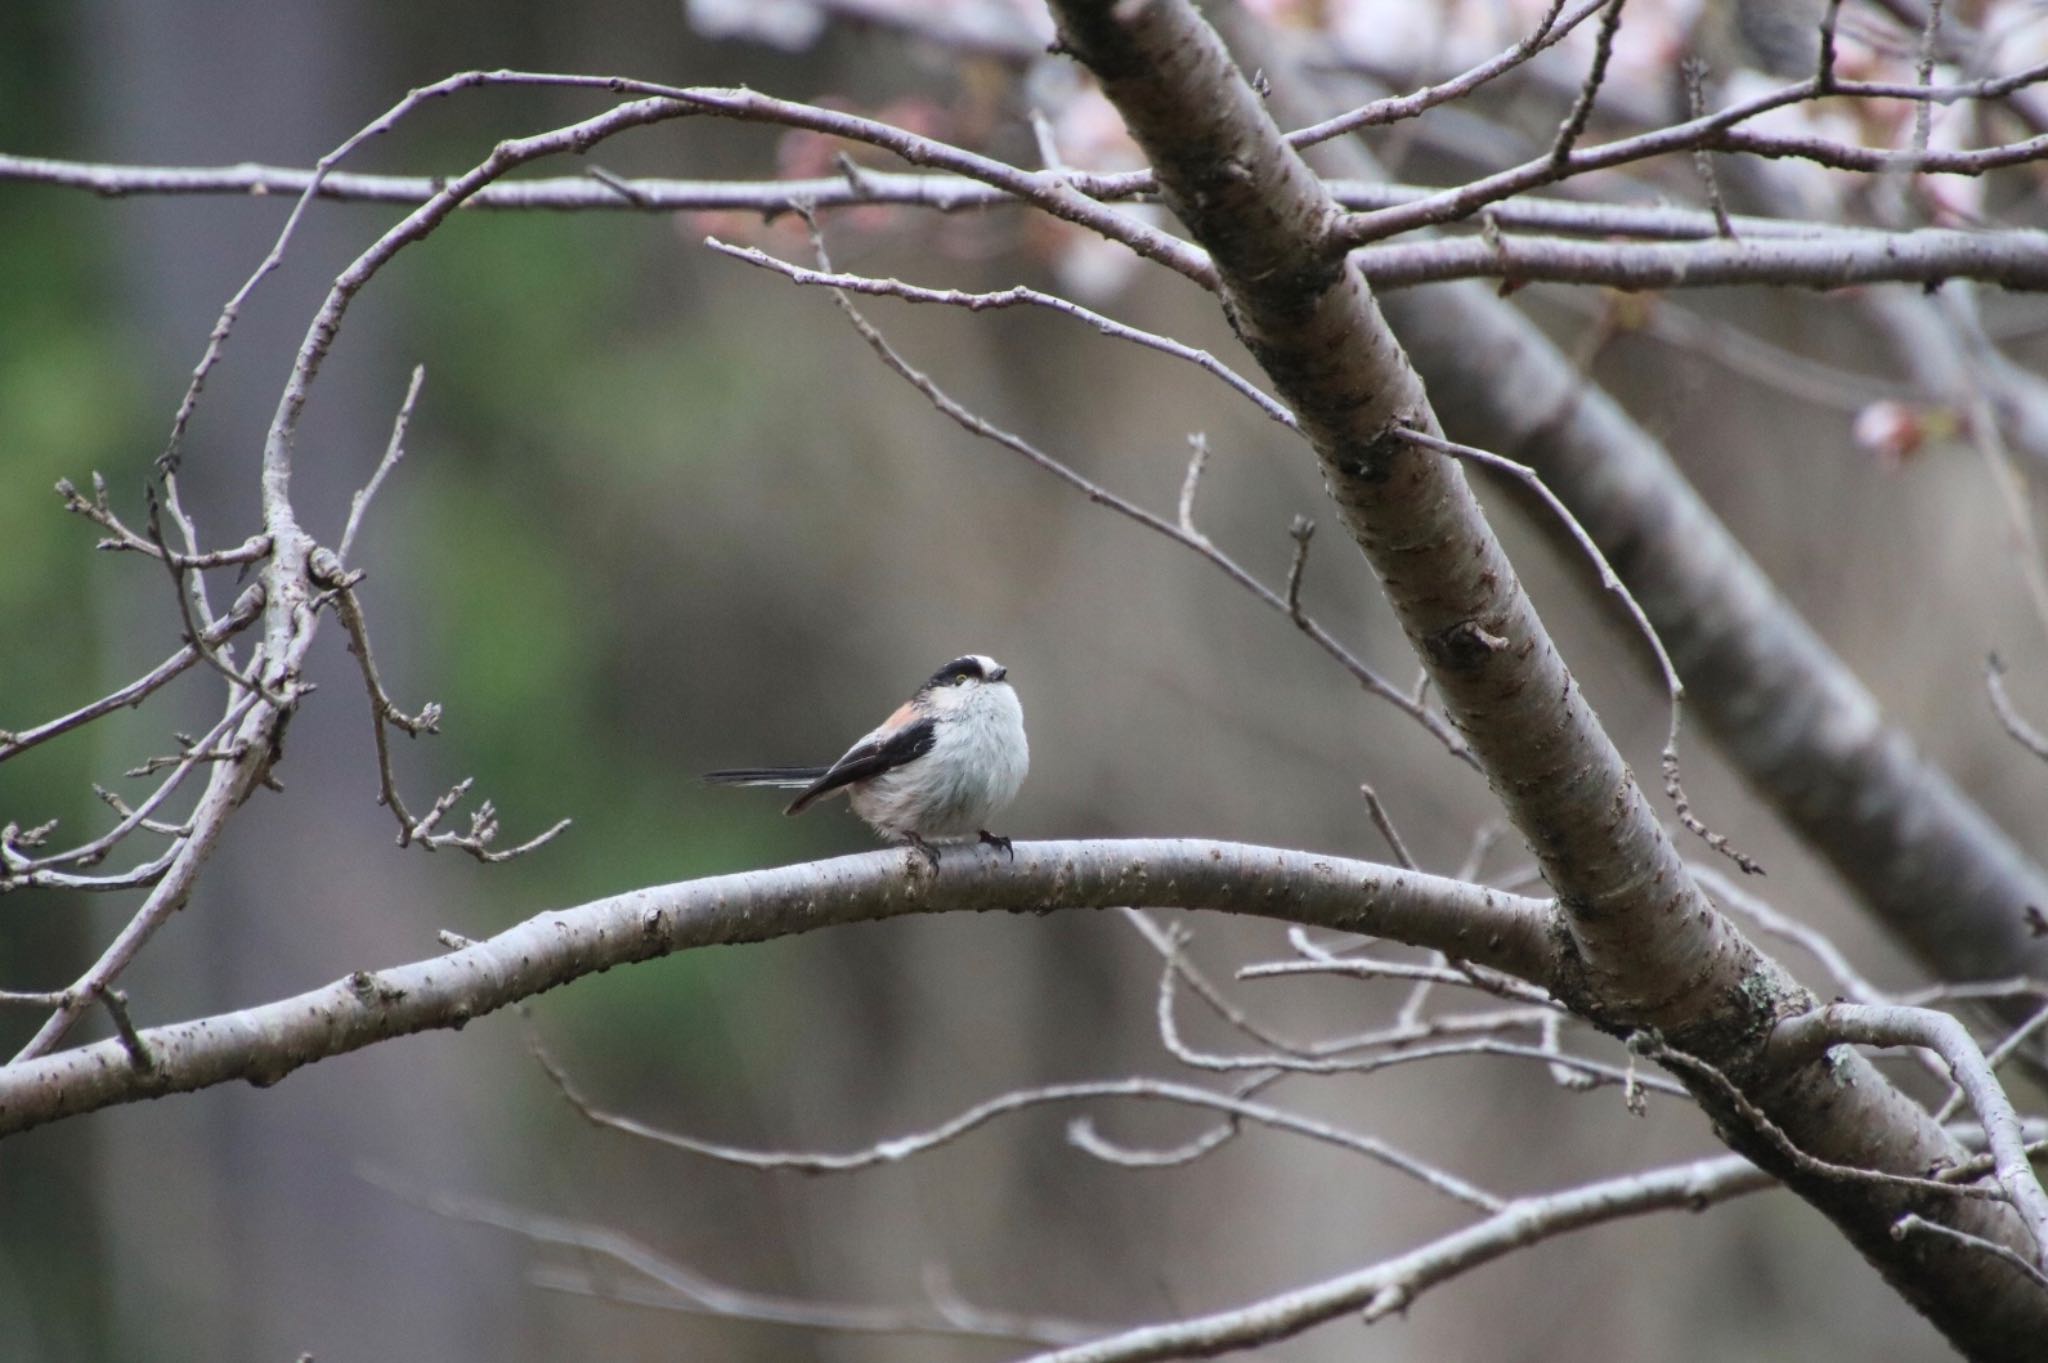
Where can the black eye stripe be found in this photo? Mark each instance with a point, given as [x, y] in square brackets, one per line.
[956, 672]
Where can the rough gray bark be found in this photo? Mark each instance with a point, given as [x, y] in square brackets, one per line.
[1791, 717]
[1644, 948]
[264, 1044]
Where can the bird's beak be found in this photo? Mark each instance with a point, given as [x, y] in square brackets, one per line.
[999, 674]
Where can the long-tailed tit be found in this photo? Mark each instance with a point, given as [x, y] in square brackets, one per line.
[935, 770]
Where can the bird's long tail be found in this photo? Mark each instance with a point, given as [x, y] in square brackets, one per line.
[785, 778]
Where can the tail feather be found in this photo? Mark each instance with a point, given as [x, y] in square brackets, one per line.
[786, 778]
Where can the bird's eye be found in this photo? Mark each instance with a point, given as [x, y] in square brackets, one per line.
[962, 679]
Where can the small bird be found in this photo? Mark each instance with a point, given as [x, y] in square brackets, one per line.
[935, 770]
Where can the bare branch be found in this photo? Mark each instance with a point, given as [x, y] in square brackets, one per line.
[191, 602]
[1811, 1034]
[1554, 28]
[483, 829]
[1387, 1287]
[13, 999]
[1912, 1223]
[116, 1004]
[266, 1043]
[1694, 72]
[247, 607]
[1998, 1055]
[16, 871]
[1393, 970]
[1589, 1069]
[940, 193]
[1782, 1144]
[393, 452]
[1582, 107]
[1017, 296]
[1734, 898]
[1385, 823]
[685, 1289]
[1167, 942]
[898, 1148]
[100, 512]
[1716, 131]
[1923, 73]
[1101, 496]
[1198, 459]
[2013, 257]
[229, 784]
[1824, 78]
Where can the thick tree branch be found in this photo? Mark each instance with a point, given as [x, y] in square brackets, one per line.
[1814, 255]
[1265, 219]
[2010, 257]
[1654, 951]
[1792, 717]
[263, 1044]
[1811, 1034]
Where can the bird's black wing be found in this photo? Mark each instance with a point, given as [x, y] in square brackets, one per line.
[871, 756]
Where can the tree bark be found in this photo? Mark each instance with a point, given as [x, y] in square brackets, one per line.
[1642, 947]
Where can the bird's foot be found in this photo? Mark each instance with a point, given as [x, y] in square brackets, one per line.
[1000, 844]
[919, 845]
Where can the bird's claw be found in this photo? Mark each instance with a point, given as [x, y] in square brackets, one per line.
[1000, 844]
[929, 852]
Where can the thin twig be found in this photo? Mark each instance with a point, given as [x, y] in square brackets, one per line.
[1385, 823]
[1694, 72]
[2001, 705]
[1102, 496]
[1392, 1285]
[1198, 459]
[116, 1004]
[197, 631]
[483, 829]
[1824, 75]
[1500, 986]
[903, 1147]
[1733, 897]
[1914, 1223]
[1018, 296]
[1167, 942]
[1647, 1044]
[91, 853]
[1997, 1056]
[14, 999]
[1673, 687]
[1301, 530]
[1594, 1072]
[1814, 1032]
[99, 510]
[248, 606]
[1720, 130]
[1923, 73]
[686, 1289]
[1582, 107]
[393, 452]
[1554, 27]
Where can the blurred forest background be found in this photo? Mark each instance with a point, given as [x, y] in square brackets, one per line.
[663, 513]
